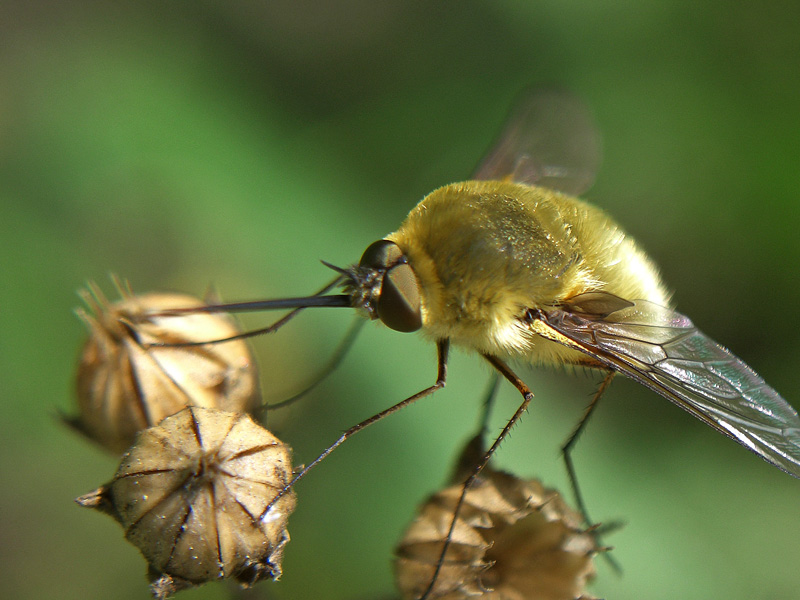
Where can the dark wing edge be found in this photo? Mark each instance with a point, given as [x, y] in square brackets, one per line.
[664, 351]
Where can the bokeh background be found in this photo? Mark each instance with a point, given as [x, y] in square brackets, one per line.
[184, 144]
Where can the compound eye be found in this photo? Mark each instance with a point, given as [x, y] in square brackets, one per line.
[399, 302]
[381, 255]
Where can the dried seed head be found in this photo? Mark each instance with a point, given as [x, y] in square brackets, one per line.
[124, 385]
[514, 539]
[192, 495]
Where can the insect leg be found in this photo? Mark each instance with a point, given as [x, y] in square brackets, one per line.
[338, 355]
[488, 403]
[527, 396]
[566, 452]
[442, 348]
[476, 448]
[566, 448]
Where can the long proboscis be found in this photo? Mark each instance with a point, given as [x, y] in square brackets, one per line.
[297, 304]
[255, 305]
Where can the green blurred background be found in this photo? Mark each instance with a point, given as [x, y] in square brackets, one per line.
[184, 144]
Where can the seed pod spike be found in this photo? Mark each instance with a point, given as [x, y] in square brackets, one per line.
[99, 500]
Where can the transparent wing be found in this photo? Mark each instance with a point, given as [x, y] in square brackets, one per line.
[664, 351]
[549, 140]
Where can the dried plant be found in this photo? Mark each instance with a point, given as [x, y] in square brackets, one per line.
[127, 382]
[513, 539]
[201, 496]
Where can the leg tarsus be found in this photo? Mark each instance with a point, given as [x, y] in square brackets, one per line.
[527, 396]
[566, 453]
[441, 374]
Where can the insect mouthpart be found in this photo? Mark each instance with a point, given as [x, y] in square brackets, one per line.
[363, 285]
[385, 286]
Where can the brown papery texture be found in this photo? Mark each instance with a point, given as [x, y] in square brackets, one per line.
[201, 496]
[514, 539]
[126, 384]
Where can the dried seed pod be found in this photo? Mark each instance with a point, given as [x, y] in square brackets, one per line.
[514, 539]
[124, 385]
[192, 495]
